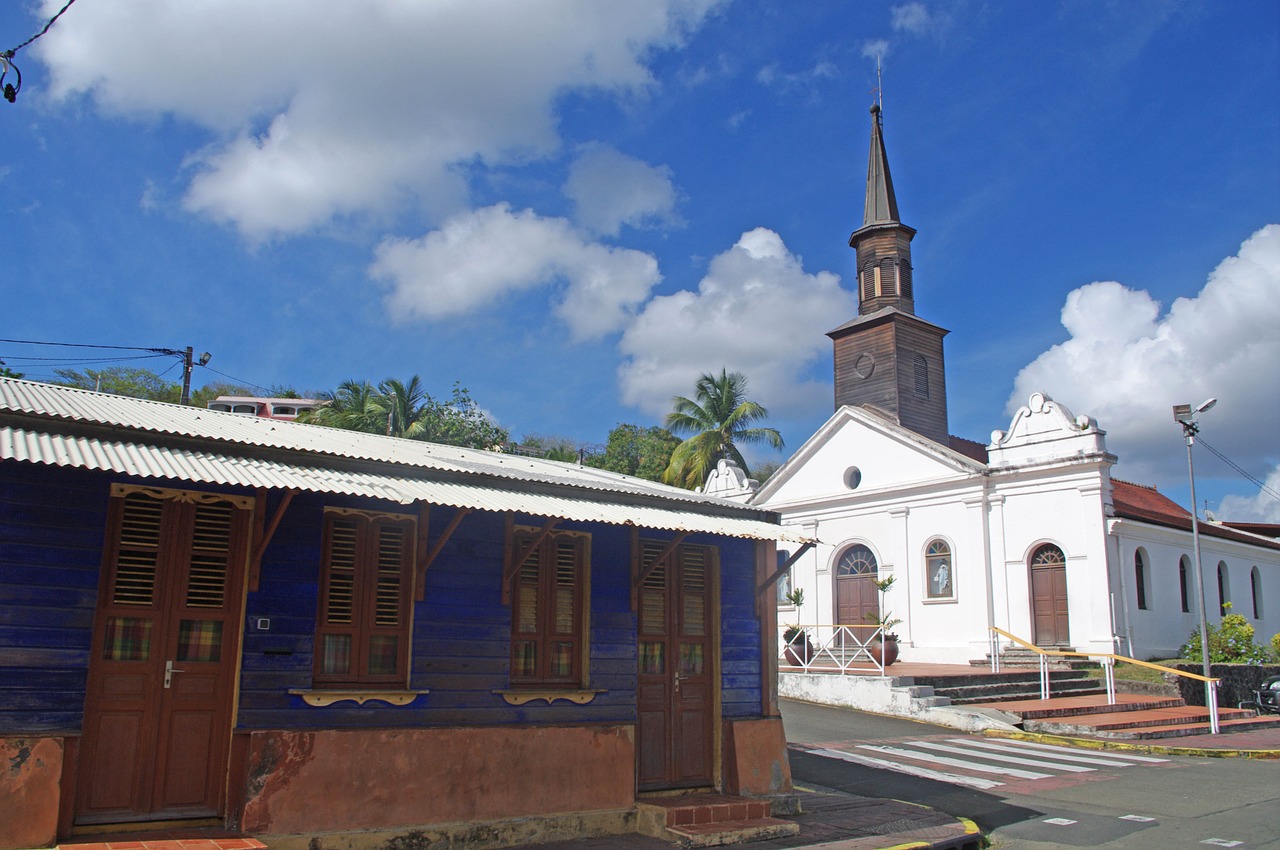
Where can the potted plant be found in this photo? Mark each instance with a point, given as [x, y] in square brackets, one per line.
[799, 651]
[884, 646]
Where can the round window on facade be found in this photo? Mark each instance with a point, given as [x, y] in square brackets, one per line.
[852, 477]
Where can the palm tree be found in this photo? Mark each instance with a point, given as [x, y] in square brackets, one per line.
[354, 405]
[719, 419]
[406, 407]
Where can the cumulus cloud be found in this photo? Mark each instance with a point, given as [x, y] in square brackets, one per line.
[478, 257]
[876, 49]
[1127, 364]
[913, 18]
[610, 189]
[756, 311]
[1264, 507]
[324, 108]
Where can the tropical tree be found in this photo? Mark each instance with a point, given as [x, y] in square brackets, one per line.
[719, 417]
[407, 406]
[354, 405]
[633, 450]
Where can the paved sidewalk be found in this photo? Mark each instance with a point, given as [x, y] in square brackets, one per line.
[832, 821]
[1260, 744]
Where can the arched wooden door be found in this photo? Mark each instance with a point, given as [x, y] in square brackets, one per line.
[1049, 596]
[857, 603]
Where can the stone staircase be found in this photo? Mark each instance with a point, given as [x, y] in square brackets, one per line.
[710, 820]
[968, 689]
[1132, 717]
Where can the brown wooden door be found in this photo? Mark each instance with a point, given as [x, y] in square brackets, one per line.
[1049, 604]
[677, 685]
[856, 603]
[157, 719]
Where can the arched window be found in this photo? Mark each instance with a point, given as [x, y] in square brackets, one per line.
[1182, 584]
[857, 560]
[1224, 589]
[1047, 555]
[1140, 579]
[1255, 585]
[921, 375]
[940, 573]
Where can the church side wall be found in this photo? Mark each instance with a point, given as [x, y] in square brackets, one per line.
[1162, 627]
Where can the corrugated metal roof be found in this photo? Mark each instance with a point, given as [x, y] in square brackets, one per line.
[50, 401]
[37, 441]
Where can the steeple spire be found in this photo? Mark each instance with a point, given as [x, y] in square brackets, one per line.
[883, 242]
[882, 206]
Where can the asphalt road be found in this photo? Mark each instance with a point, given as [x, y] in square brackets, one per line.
[1039, 798]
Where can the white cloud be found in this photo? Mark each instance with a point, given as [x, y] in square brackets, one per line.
[913, 18]
[478, 257]
[757, 312]
[610, 189]
[877, 49]
[325, 108]
[1127, 365]
[1263, 507]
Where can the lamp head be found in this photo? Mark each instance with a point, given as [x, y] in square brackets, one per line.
[205, 358]
[1205, 405]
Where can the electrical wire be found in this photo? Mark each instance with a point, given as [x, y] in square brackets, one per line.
[10, 90]
[1229, 462]
[240, 381]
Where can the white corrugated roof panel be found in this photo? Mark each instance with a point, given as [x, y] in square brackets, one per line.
[210, 468]
[68, 403]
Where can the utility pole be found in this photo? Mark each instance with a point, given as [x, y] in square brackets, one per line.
[186, 376]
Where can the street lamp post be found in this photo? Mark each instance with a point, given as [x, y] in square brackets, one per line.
[1185, 416]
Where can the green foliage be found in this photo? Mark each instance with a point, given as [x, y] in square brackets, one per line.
[720, 417]
[633, 450]
[1275, 647]
[122, 380]
[6, 372]
[1229, 643]
[405, 409]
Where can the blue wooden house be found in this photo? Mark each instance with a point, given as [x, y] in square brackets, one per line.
[296, 631]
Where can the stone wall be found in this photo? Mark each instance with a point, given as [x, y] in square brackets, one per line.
[1238, 681]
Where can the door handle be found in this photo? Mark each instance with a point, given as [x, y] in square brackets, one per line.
[677, 681]
[169, 670]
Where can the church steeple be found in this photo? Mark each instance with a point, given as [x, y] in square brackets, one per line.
[883, 242]
[888, 358]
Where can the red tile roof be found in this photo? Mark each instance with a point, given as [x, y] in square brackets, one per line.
[1143, 503]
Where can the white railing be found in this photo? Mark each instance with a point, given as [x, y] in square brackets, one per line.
[831, 649]
[1108, 661]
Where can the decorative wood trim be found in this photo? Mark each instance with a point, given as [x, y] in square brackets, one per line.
[391, 515]
[193, 496]
[324, 697]
[523, 696]
[784, 569]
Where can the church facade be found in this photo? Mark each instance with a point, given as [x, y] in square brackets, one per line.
[1029, 533]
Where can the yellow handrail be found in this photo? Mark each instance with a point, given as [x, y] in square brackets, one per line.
[1124, 658]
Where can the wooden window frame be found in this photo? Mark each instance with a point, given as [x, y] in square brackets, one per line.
[364, 627]
[1140, 579]
[543, 564]
[938, 549]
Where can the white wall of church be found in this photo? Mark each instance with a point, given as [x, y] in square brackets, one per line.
[1156, 625]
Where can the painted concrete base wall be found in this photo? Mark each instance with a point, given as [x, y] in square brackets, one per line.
[756, 762]
[30, 791]
[315, 782]
[881, 696]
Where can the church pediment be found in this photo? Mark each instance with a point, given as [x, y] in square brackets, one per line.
[1044, 430]
[859, 450]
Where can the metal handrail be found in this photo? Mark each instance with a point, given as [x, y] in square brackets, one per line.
[836, 647]
[1108, 666]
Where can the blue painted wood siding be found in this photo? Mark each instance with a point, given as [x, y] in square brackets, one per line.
[51, 536]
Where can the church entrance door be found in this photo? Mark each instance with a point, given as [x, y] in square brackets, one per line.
[1049, 596]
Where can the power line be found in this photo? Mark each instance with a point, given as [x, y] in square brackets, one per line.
[1229, 462]
[6, 58]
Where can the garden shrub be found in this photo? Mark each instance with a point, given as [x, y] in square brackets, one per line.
[1231, 643]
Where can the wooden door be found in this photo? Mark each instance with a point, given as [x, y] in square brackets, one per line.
[157, 722]
[1049, 597]
[856, 603]
[676, 693]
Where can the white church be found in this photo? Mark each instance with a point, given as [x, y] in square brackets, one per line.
[1029, 533]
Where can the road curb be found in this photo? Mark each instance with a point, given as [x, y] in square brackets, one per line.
[1128, 747]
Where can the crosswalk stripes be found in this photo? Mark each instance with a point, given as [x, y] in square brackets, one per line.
[956, 760]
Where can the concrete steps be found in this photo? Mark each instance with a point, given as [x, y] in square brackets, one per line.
[1132, 717]
[710, 820]
[980, 688]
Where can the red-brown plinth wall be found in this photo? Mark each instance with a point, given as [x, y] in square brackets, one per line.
[30, 791]
[331, 781]
[756, 757]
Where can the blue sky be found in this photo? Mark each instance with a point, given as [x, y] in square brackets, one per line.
[575, 207]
